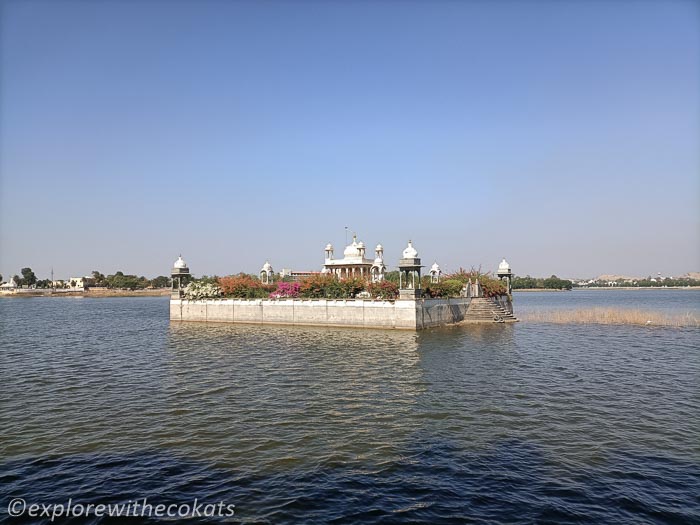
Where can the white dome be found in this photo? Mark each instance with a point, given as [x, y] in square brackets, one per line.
[435, 267]
[504, 266]
[379, 248]
[410, 252]
[353, 250]
[267, 267]
[180, 263]
[329, 247]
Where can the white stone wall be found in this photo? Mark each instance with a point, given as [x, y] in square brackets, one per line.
[401, 314]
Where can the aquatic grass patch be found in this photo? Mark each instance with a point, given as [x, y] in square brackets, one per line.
[626, 316]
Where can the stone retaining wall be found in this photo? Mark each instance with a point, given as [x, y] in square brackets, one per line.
[400, 314]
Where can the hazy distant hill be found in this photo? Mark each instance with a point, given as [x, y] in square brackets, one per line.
[613, 277]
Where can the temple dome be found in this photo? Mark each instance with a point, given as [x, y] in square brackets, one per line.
[180, 263]
[435, 267]
[379, 248]
[267, 267]
[410, 252]
[329, 247]
[353, 250]
[504, 266]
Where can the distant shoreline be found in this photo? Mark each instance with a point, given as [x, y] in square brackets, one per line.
[610, 288]
[151, 292]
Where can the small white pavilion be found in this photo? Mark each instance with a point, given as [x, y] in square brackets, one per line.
[505, 273]
[435, 273]
[266, 273]
[180, 275]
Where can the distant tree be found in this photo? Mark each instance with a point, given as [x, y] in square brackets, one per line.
[18, 280]
[0, 277]
[43, 283]
[524, 282]
[160, 282]
[206, 279]
[28, 276]
[392, 276]
[127, 282]
[555, 283]
[99, 278]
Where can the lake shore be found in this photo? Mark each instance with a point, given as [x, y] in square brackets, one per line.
[605, 288]
[90, 292]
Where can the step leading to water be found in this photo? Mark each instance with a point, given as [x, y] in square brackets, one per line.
[487, 310]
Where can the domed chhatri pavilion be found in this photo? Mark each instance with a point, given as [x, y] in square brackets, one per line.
[411, 311]
[180, 277]
[504, 273]
[354, 262]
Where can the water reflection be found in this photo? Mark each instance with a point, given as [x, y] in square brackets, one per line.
[297, 393]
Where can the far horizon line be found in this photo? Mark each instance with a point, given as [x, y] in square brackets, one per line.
[610, 276]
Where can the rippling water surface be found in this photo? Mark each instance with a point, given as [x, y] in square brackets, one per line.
[104, 400]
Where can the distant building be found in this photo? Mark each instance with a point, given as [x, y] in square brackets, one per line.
[296, 275]
[10, 285]
[76, 283]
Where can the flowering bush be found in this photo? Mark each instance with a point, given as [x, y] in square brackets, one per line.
[320, 286]
[329, 287]
[491, 286]
[286, 289]
[244, 286]
[351, 286]
[196, 290]
[383, 290]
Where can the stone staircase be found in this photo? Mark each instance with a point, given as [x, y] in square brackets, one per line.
[486, 310]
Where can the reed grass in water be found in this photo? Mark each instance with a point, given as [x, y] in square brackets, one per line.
[612, 316]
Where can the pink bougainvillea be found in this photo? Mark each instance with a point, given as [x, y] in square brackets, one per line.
[286, 290]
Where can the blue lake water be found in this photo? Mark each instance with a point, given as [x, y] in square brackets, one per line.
[106, 401]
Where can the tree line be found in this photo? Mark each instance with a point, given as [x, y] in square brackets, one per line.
[118, 280]
[548, 283]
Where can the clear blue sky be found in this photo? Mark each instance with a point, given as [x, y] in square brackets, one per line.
[562, 135]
